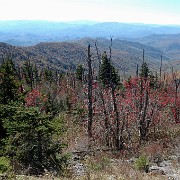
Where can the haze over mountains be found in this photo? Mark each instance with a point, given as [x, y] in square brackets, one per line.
[32, 32]
[44, 43]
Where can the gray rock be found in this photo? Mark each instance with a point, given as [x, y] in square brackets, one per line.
[165, 163]
[156, 170]
[3, 176]
[178, 159]
[79, 169]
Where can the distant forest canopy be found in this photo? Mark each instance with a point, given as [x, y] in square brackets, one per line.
[66, 56]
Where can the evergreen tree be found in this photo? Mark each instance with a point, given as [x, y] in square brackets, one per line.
[28, 72]
[79, 72]
[9, 83]
[144, 71]
[107, 73]
[9, 88]
[31, 139]
[48, 75]
[37, 75]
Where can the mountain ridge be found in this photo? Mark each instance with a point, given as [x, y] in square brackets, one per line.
[167, 43]
[66, 56]
[27, 33]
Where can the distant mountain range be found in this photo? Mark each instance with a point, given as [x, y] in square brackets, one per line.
[26, 33]
[63, 46]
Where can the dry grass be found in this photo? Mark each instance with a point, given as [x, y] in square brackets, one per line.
[113, 172]
[112, 165]
[75, 133]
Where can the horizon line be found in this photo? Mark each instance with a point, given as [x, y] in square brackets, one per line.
[91, 21]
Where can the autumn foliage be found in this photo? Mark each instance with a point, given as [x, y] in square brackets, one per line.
[144, 106]
[123, 113]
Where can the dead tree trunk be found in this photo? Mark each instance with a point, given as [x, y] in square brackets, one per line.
[177, 83]
[118, 140]
[143, 124]
[106, 123]
[117, 137]
[160, 68]
[90, 109]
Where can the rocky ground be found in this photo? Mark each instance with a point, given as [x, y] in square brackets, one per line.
[86, 165]
[166, 167]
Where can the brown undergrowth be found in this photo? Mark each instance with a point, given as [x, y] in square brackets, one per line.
[118, 165]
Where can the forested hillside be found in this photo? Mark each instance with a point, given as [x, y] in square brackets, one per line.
[167, 43]
[60, 56]
[63, 56]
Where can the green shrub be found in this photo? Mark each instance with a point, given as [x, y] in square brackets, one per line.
[4, 164]
[97, 164]
[142, 163]
[33, 138]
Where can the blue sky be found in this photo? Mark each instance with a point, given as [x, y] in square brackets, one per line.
[136, 11]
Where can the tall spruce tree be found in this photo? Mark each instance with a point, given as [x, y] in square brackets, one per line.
[28, 72]
[9, 83]
[107, 72]
[144, 71]
[31, 138]
[79, 72]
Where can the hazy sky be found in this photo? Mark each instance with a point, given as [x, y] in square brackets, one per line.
[138, 11]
